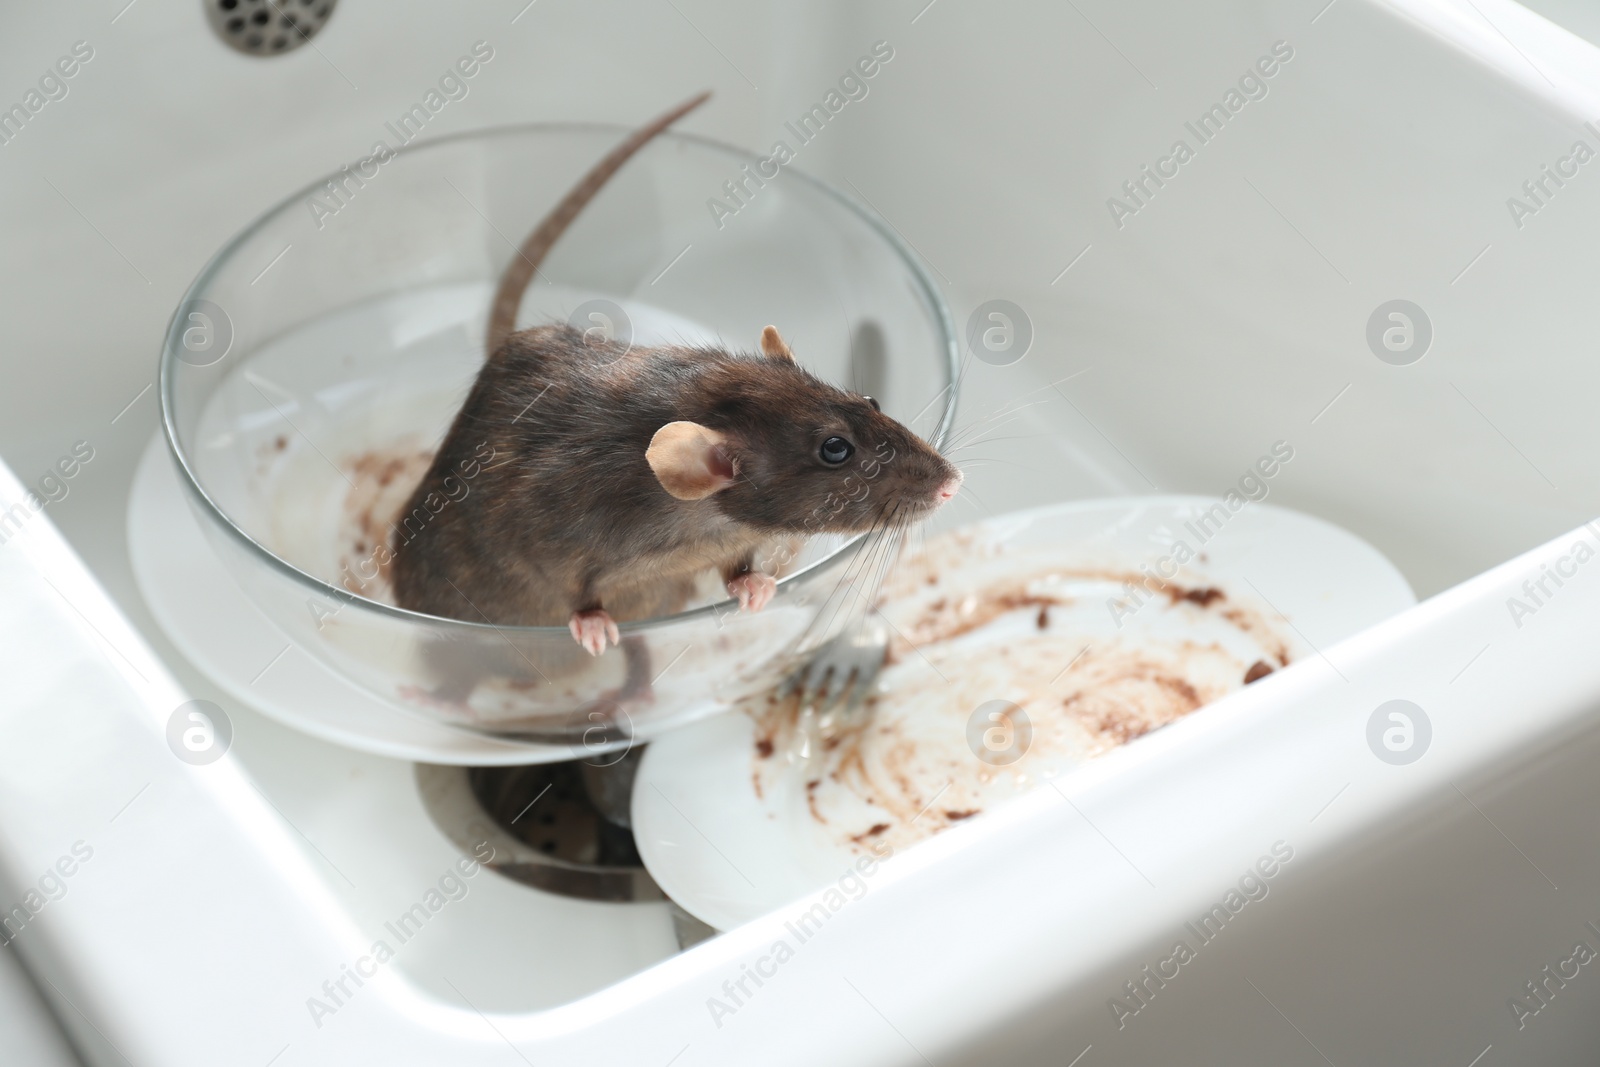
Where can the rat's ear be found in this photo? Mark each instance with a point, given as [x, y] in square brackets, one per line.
[689, 460]
[773, 347]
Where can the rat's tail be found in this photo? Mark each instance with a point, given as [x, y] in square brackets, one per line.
[519, 273]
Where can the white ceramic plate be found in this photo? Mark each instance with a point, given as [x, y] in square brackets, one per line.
[1016, 612]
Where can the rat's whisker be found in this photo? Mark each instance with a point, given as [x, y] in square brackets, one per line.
[1007, 408]
[840, 597]
[971, 430]
[989, 437]
[891, 556]
[882, 550]
[888, 552]
[1003, 411]
[952, 392]
[974, 497]
[973, 504]
[981, 461]
[990, 441]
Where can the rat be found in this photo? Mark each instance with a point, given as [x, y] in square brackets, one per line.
[605, 478]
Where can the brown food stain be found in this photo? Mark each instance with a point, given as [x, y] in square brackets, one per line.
[1253, 624]
[944, 620]
[811, 800]
[381, 483]
[1113, 694]
[1139, 697]
[1258, 670]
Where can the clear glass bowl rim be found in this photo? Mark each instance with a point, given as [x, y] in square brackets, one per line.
[199, 287]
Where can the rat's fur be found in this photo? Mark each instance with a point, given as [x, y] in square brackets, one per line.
[603, 479]
[566, 516]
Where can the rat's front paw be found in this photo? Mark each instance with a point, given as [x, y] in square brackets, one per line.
[753, 589]
[591, 629]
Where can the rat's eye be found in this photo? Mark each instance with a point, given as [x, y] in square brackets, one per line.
[836, 450]
[873, 402]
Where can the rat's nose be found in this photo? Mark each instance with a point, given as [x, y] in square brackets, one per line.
[948, 489]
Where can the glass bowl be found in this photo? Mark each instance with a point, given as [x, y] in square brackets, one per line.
[316, 362]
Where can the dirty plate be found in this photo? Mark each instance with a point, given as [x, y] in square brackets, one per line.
[1020, 648]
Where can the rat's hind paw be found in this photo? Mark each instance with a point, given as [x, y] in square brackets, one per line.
[418, 695]
[591, 629]
[753, 589]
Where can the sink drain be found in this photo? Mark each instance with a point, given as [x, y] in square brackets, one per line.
[544, 829]
[267, 27]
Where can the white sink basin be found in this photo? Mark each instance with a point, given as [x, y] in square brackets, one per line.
[1228, 311]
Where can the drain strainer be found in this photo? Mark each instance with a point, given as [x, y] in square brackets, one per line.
[267, 27]
[543, 827]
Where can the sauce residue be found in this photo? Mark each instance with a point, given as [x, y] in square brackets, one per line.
[1001, 674]
[381, 484]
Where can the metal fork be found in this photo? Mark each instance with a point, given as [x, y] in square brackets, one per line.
[840, 674]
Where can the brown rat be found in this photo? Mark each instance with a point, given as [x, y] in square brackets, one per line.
[605, 479]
